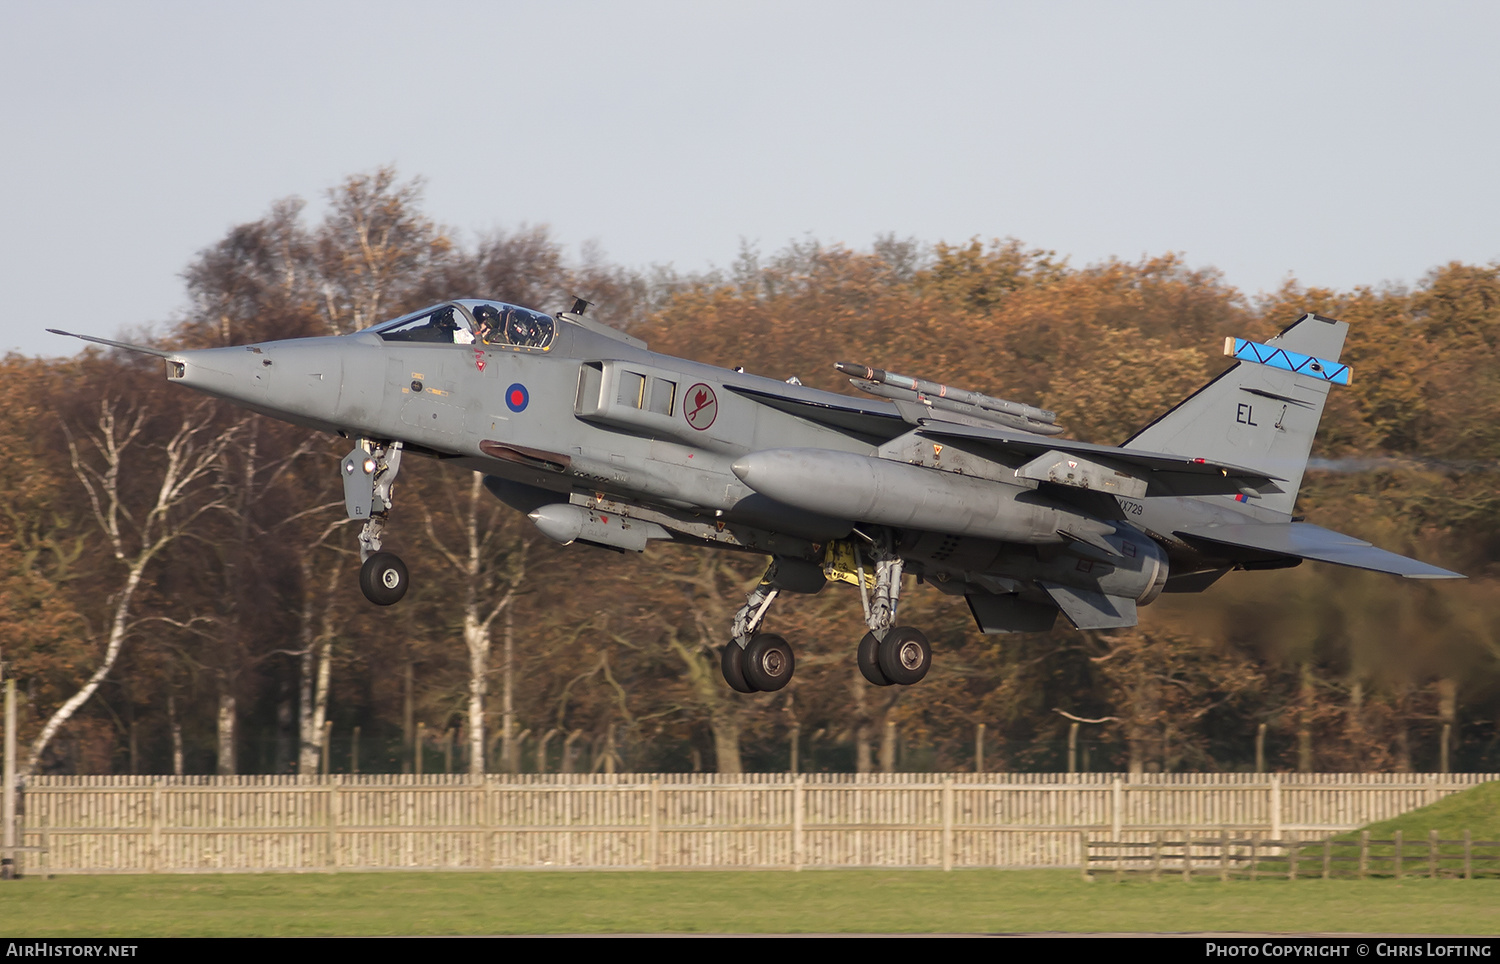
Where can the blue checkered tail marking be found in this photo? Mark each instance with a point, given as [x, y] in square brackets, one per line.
[1254, 351]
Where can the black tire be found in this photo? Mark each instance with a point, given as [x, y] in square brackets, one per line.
[769, 663]
[868, 658]
[905, 655]
[384, 579]
[732, 665]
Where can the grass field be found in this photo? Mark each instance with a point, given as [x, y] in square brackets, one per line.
[816, 901]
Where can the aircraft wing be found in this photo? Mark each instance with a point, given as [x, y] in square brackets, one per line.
[1172, 472]
[1303, 540]
[874, 421]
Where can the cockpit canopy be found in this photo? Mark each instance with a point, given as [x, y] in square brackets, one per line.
[468, 321]
[502, 324]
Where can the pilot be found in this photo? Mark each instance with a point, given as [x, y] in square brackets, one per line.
[487, 317]
[444, 324]
[440, 327]
[527, 329]
[448, 326]
[519, 328]
[544, 330]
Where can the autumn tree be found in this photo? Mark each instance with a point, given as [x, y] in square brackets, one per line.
[148, 480]
[375, 250]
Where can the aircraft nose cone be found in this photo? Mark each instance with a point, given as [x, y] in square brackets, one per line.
[298, 380]
[227, 372]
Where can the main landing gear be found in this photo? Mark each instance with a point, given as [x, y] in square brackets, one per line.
[888, 654]
[757, 662]
[369, 472]
[752, 661]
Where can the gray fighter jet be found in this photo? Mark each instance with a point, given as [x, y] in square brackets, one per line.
[602, 441]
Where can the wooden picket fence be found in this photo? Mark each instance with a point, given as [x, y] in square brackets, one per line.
[246, 824]
[1229, 857]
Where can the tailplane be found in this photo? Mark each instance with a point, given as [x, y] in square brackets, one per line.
[1261, 413]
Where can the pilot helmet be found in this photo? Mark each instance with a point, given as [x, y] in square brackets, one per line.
[486, 315]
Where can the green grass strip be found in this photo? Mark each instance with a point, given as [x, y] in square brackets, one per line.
[729, 902]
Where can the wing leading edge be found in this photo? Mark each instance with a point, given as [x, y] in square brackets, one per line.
[850, 416]
[1303, 540]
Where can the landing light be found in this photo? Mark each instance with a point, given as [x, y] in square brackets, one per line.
[369, 466]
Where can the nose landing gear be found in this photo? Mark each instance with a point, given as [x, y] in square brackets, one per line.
[368, 473]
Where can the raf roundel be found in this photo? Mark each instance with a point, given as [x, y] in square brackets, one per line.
[517, 397]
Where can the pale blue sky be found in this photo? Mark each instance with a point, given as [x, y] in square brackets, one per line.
[1344, 143]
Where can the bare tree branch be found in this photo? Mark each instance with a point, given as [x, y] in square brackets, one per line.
[1084, 719]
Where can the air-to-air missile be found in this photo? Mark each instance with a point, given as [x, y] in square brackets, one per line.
[904, 388]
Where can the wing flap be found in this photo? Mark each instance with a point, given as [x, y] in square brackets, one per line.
[1304, 540]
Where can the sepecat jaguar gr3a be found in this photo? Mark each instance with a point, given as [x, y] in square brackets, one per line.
[599, 440]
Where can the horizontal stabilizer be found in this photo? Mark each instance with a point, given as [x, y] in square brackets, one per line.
[1303, 540]
[1092, 610]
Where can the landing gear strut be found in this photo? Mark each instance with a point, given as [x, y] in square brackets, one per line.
[753, 661]
[369, 472]
[888, 653]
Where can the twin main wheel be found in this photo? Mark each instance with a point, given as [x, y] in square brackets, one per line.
[903, 657]
[384, 579]
[764, 666]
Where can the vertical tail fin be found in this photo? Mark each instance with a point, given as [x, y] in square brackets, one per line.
[1263, 411]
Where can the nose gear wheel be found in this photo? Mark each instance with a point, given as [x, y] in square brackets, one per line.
[384, 579]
